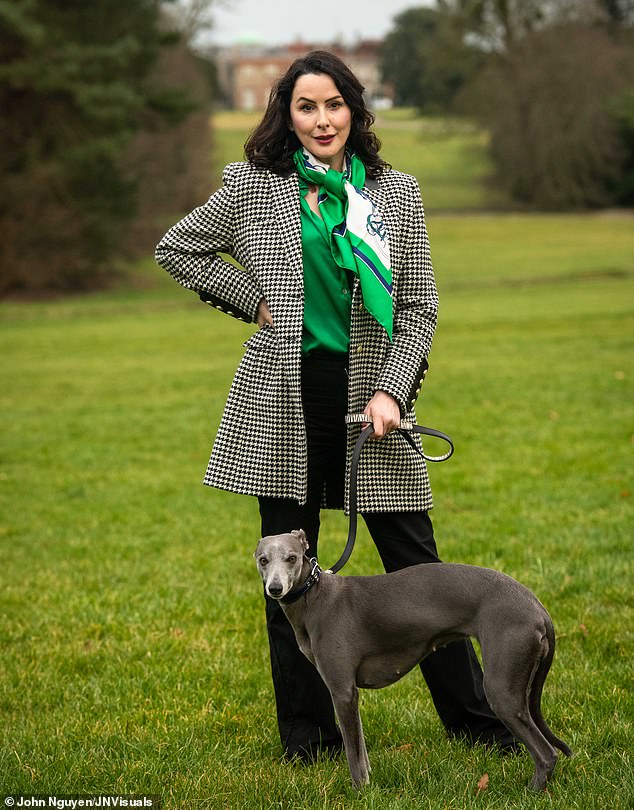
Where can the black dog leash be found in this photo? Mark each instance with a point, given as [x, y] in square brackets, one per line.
[406, 429]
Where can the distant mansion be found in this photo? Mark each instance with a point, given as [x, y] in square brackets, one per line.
[246, 72]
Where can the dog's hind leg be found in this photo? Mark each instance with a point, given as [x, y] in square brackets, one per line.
[509, 672]
[346, 702]
[535, 697]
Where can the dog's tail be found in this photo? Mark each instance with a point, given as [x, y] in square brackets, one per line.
[537, 687]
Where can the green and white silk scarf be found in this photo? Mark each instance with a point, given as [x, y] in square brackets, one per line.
[358, 236]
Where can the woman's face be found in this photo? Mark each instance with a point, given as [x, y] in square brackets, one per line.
[320, 118]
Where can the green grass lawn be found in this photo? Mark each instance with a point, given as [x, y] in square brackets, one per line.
[133, 642]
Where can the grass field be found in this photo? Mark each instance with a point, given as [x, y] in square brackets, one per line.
[132, 634]
[133, 642]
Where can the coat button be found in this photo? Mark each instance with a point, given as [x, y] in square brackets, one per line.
[359, 349]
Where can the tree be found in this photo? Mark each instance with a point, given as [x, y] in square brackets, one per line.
[623, 186]
[620, 12]
[76, 84]
[554, 96]
[553, 113]
[498, 25]
[426, 59]
[400, 54]
[170, 165]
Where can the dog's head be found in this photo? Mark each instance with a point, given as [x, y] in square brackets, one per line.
[280, 558]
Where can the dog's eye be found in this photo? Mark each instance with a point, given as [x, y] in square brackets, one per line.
[292, 559]
[263, 562]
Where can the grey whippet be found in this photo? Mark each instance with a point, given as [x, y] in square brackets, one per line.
[369, 631]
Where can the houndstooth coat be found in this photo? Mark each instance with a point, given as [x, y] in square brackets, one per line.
[260, 446]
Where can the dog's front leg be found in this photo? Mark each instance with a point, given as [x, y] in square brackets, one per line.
[346, 702]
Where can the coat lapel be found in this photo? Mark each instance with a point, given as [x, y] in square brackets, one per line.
[286, 210]
[385, 206]
[375, 193]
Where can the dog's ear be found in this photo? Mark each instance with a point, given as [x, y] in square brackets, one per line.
[255, 553]
[302, 536]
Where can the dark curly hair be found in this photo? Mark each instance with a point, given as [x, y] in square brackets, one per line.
[272, 144]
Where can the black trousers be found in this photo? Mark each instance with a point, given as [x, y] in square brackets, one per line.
[305, 713]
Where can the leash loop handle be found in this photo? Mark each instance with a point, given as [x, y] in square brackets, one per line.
[407, 427]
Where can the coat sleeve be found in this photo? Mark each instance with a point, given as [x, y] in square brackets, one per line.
[415, 308]
[190, 252]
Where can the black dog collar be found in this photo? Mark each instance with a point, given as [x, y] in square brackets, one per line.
[313, 578]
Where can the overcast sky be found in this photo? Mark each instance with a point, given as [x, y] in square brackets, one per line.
[282, 21]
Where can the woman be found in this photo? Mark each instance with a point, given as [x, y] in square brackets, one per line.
[336, 272]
